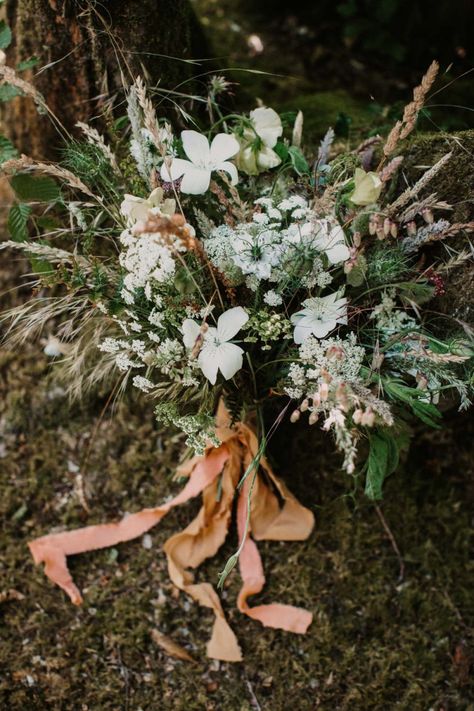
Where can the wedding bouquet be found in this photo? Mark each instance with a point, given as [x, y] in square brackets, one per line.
[221, 266]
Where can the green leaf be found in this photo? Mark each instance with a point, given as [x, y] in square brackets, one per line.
[7, 150]
[27, 64]
[425, 411]
[281, 150]
[5, 35]
[356, 276]
[18, 222]
[298, 161]
[8, 92]
[382, 461]
[42, 189]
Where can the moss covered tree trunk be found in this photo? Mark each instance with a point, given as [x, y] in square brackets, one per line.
[87, 50]
[455, 185]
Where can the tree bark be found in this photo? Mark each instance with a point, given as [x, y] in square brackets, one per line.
[86, 51]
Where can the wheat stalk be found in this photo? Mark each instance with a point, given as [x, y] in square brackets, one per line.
[24, 163]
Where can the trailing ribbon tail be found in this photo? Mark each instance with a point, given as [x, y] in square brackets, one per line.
[274, 515]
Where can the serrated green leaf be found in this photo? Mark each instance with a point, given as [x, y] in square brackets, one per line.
[41, 189]
[18, 222]
[5, 35]
[298, 161]
[7, 150]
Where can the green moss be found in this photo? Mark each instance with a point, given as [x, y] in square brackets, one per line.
[323, 109]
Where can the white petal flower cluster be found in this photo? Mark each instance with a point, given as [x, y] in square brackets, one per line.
[257, 141]
[320, 315]
[203, 160]
[216, 353]
[283, 243]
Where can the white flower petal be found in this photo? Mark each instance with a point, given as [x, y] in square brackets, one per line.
[208, 361]
[223, 147]
[191, 331]
[176, 169]
[267, 125]
[196, 147]
[267, 158]
[300, 333]
[195, 180]
[229, 168]
[338, 253]
[229, 359]
[230, 323]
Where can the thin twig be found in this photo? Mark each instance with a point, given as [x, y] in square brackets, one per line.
[392, 540]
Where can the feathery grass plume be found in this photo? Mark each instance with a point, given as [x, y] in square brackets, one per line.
[455, 262]
[24, 163]
[420, 92]
[96, 139]
[149, 116]
[403, 128]
[325, 147]
[390, 169]
[413, 191]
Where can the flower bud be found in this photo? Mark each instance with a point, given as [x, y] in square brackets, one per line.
[373, 224]
[411, 228]
[387, 223]
[427, 215]
[295, 416]
[324, 391]
[357, 416]
[313, 418]
[394, 229]
[304, 405]
[368, 418]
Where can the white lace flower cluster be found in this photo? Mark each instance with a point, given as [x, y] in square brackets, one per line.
[324, 380]
[148, 257]
[284, 244]
[337, 359]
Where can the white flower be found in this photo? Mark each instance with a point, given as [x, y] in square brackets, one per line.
[136, 209]
[330, 239]
[203, 159]
[216, 352]
[267, 125]
[272, 298]
[268, 128]
[319, 317]
[142, 383]
[256, 254]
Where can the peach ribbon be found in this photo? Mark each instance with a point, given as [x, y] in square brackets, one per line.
[274, 515]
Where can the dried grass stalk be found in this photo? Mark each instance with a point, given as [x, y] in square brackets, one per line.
[403, 128]
[24, 163]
